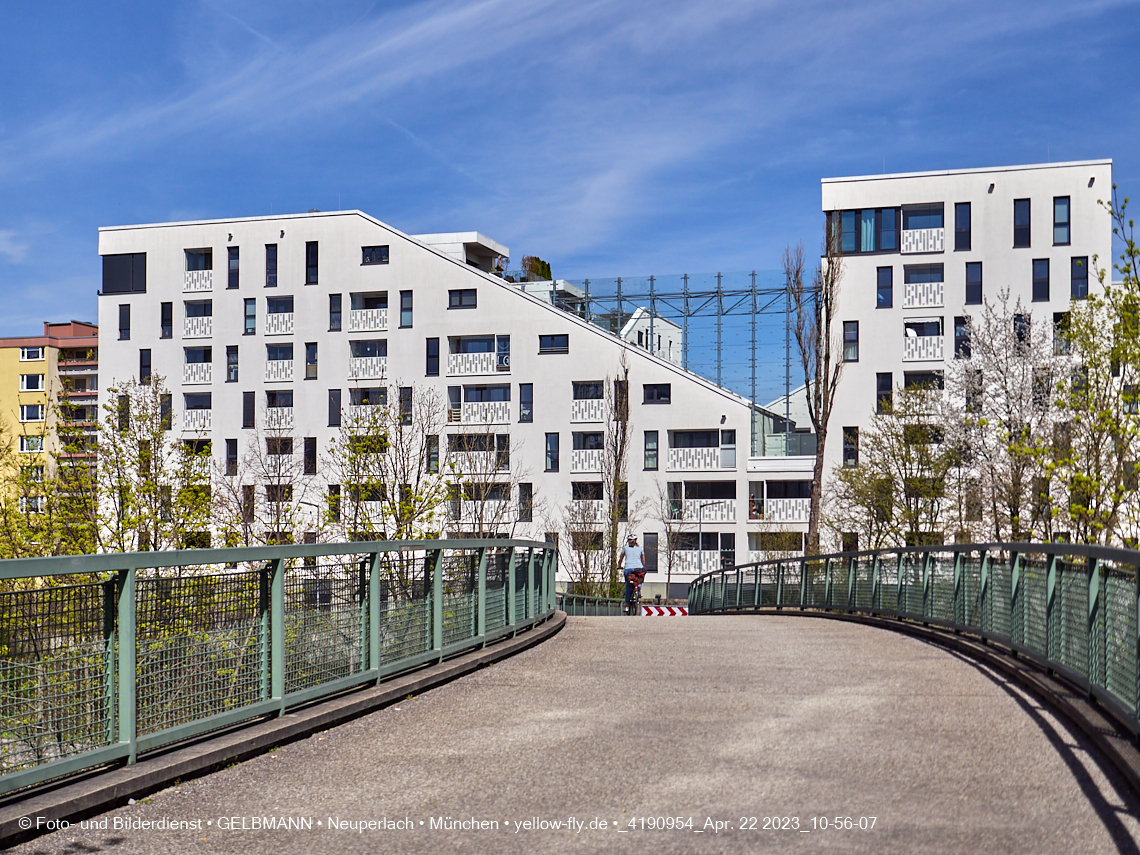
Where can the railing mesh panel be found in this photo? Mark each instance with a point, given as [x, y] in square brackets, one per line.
[1070, 628]
[864, 583]
[910, 587]
[889, 583]
[1120, 632]
[54, 691]
[322, 625]
[941, 570]
[970, 607]
[840, 578]
[1033, 602]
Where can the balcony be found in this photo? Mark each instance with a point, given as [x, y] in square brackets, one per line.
[787, 510]
[692, 561]
[367, 367]
[693, 459]
[716, 510]
[367, 320]
[363, 414]
[279, 417]
[277, 370]
[279, 323]
[923, 348]
[197, 419]
[197, 372]
[923, 295]
[586, 460]
[923, 240]
[472, 364]
[199, 327]
[588, 510]
[198, 280]
[481, 413]
[588, 410]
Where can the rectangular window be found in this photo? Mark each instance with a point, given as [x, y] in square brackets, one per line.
[866, 230]
[279, 305]
[374, 255]
[1020, 223]
[124, 322]
[554, 344]
[552, 452]
[884, 392]
[334, 312]
[232, 281]
[433, 454]
[974, 389]
[923, 217]
[166, 411]
[279, 352]
[656, 393]
[1040, 279]
[31, 443]
[694, 439]
[526, 502]
[166, 320]
[651, 450]
[271, 265]
[503, 451]
[35, 382]
[231, 363]
[1060, 220]
[1079, 288]
[31, 354]
[526, 402]
[144, 366]
[962, 226]
[31, 412]
[197, 400]
[462, 298]
[850, 341]
[405, 405]
[200, 259]
[310, 360]
[124, 274]
[247, 409]
[973, 283]
[279, 399]
[1021, 328]
[334, 407]
[310, 455]
[588, 440]
[231, 457]
[311, 262]
[927, 379]
[588, 390]
[279, 445]
[431, 358]
[850, 447]
[961, 338]
[885, 288]
[250, 316]
[1060, 333]
[405, 309]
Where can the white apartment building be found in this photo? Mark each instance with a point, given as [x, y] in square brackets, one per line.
[306, 308]
[922, 251]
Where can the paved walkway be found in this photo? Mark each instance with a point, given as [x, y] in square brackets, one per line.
[719, 724]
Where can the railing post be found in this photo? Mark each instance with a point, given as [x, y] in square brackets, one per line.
[481, 595]
[109, 635]
[851, 583]
[1095, 661]
[511, 611]
[828, 584]
[779, 585]
[739, 589]
[985, 598]
[756, 583]
[437, 600]
[899, 599]
[1052, 646]
[128, 645]
[803, 583]
[876, 581]
[374, 610]
[1016, 633]
[276, 572]
[530, 612]
[927, 593]
[959, 601]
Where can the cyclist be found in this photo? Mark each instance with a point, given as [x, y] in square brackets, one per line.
[633, 567]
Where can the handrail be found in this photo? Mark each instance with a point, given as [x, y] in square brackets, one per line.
[135, 651]
[1072, 608]
[579, 605]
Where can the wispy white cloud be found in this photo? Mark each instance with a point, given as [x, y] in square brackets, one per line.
[11, 247]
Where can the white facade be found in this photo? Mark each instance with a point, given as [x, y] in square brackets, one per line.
[913, 330]
[394, 293]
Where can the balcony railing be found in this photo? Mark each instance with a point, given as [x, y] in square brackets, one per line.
[279, 323]
[586, 460]
[923, 240]
[588, 410]
[367, 320]
[694, 459]
[279, 417]
[367, 367]
[922, 348]
[198, 372]
[716, 510]
[787, 510]
[588, 510]
[197, 419]
[198, 327]
[277, 370]
[469, 364]
[486, 412]
[198, 280]
[923, 295]
[363, 414]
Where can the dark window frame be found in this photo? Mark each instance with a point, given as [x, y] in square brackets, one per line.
[336, 316]
[1067, 225]
[655, 397]
[312, 262]
[884, 290]
[166, 320]
[850, 341]
[1022, 232]
[963, 236]
[248, 410]
[1040, 283]
[554, 343]
[526, 403]
[431, 357]
[1079, 284]
[233, 267]
[463, 298]
[373, 255]
[974, 287]
[271, 265]
[884, 391]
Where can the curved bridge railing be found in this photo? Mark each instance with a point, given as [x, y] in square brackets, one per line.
[1074, 609]
[579, 605]
[103, 657]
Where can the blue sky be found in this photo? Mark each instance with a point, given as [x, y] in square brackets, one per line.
[610, 138]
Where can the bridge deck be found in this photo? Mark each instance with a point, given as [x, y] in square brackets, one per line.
[702, 718]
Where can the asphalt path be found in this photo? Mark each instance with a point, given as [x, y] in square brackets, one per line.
[665, 735]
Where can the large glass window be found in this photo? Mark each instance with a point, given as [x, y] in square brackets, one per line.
[884, 392]
[311, 262]
[1020, 222]
[588, 390]
[405, 309]
[526, 402]
[1080, 278]
[334, 312]
[923, 217]
[125, 273]
[372, 347]
[657, 393]
[431, 365]
[651, 450]
[374, 254]
[919, 273]
[866, 230]
[526, 502]
[271, 265]
[462, 298]
[973, 283]
[1061, 220]
[961, 337]
[199, 259]
[554, 343]
[1040, 279]
[885, 288]
[850, 341]
[552, 452]
[232, 280]
[962, 226]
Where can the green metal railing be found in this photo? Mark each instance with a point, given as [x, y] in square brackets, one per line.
[581, 606]
[103, 657]
[1073, 609]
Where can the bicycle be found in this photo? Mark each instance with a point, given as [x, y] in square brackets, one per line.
[635, 578]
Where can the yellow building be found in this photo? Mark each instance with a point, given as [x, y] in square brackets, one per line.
[43, 379]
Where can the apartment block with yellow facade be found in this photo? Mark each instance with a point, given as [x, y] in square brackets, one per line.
[44, 379]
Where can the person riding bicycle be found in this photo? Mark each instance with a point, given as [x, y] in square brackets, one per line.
[633, 567]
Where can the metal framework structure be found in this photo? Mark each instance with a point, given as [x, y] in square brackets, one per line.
[1073, 609]
[104, 657]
